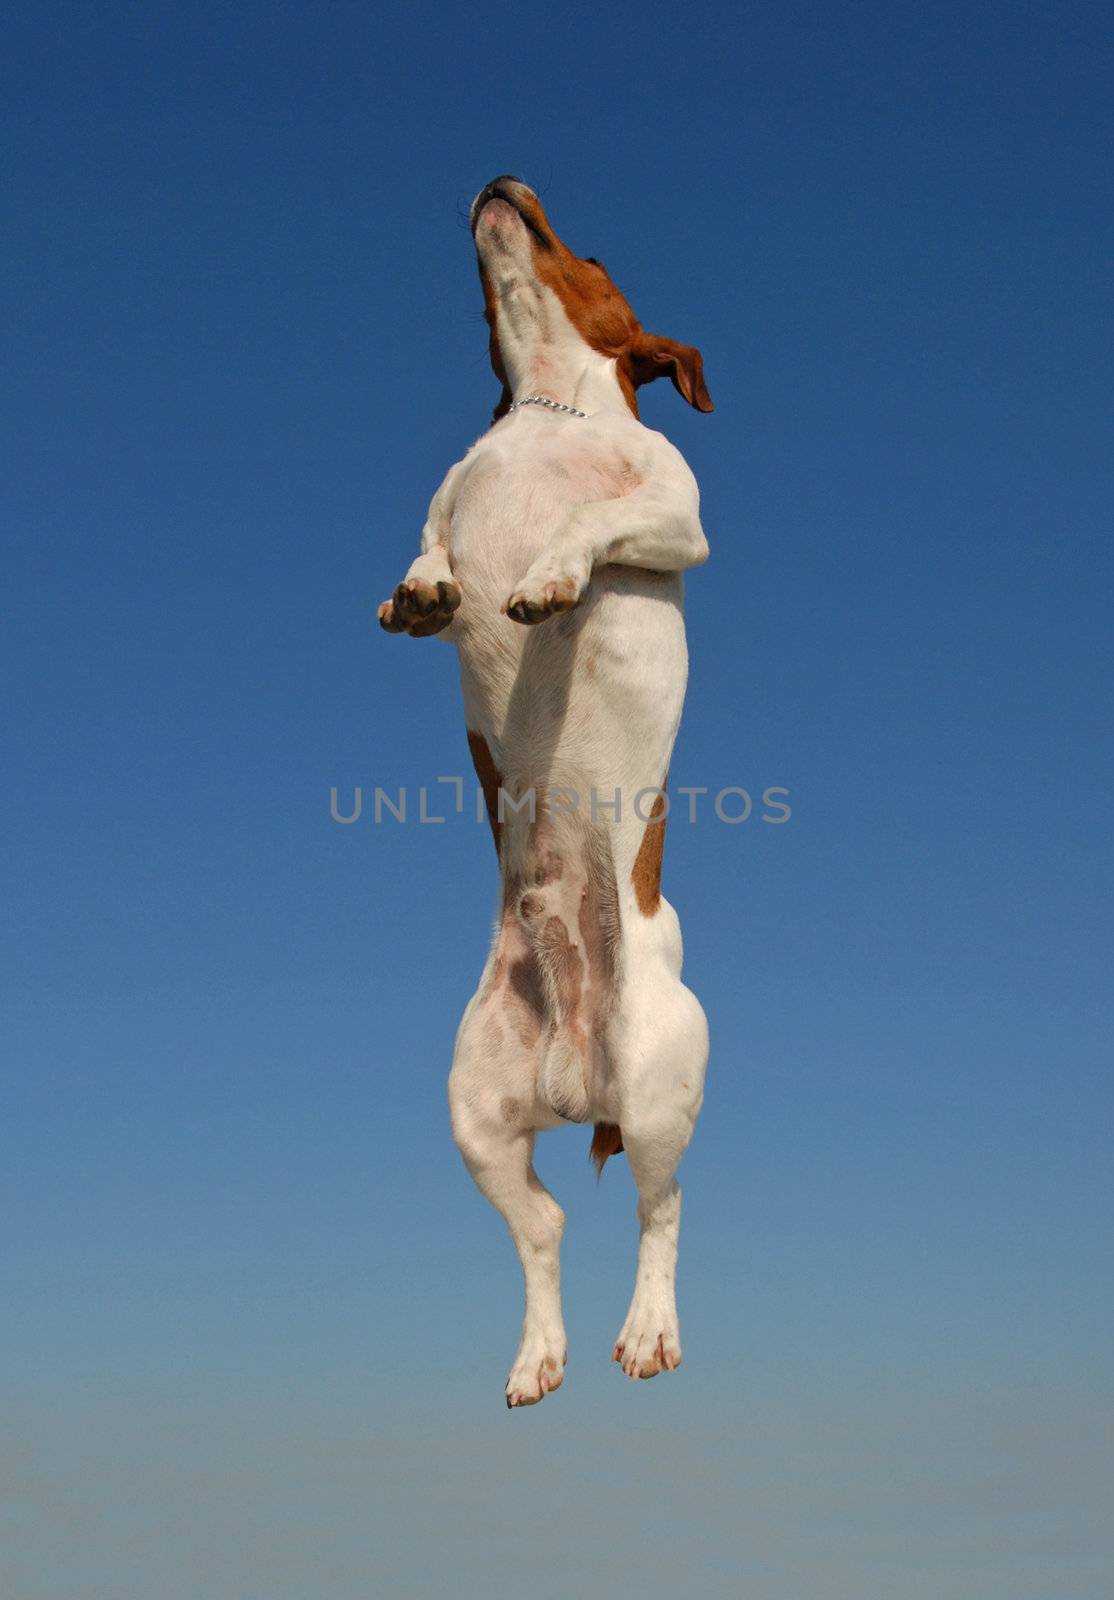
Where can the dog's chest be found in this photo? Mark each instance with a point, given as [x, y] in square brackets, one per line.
[520, 487]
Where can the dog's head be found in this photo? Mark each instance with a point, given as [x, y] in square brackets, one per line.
[522, 259]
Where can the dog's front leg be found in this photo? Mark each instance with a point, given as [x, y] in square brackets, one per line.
[656, 526]
[425, 601]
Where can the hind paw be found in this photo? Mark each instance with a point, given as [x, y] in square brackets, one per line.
[648, 1344]
[538, 1370]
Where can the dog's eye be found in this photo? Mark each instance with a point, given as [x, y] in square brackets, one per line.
[591, 260]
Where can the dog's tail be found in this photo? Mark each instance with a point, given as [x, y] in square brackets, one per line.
[607, 1140]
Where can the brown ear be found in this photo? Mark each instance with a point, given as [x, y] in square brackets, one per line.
[652, 356]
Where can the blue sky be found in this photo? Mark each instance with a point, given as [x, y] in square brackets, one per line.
[257, 1318]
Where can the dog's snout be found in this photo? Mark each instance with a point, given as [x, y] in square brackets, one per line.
[497, 187]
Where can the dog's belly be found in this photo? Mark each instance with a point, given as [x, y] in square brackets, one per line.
[586, 703]
[592, 696]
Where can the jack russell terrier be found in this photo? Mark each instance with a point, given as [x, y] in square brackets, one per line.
[552, 558]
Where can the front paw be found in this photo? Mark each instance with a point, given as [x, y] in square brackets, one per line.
[535, 599]
[420, 608]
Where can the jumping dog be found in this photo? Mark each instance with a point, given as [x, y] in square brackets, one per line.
[552, 557]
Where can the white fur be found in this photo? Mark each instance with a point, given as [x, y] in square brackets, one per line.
[585, 701]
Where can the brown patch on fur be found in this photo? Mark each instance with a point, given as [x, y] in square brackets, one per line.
[597, 935]
[509, 1109]
[607, 1140]
[646, 872]
[528, 1028]
[514, 988]
[490, 781]
[596, 308]
[552, 978]
[563, 965]
[526, 983]
[567, 966]
[524, 1005]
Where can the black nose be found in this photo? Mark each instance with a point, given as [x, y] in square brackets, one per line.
[496, 187]
[492, 188]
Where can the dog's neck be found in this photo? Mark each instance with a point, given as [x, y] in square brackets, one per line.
[544, 354]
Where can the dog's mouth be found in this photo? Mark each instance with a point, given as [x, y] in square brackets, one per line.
[505, 189]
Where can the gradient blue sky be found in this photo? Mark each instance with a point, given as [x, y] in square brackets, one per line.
[257, 1320]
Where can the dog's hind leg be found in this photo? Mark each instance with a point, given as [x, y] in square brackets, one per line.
[660, 1048]
[493, 1101]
